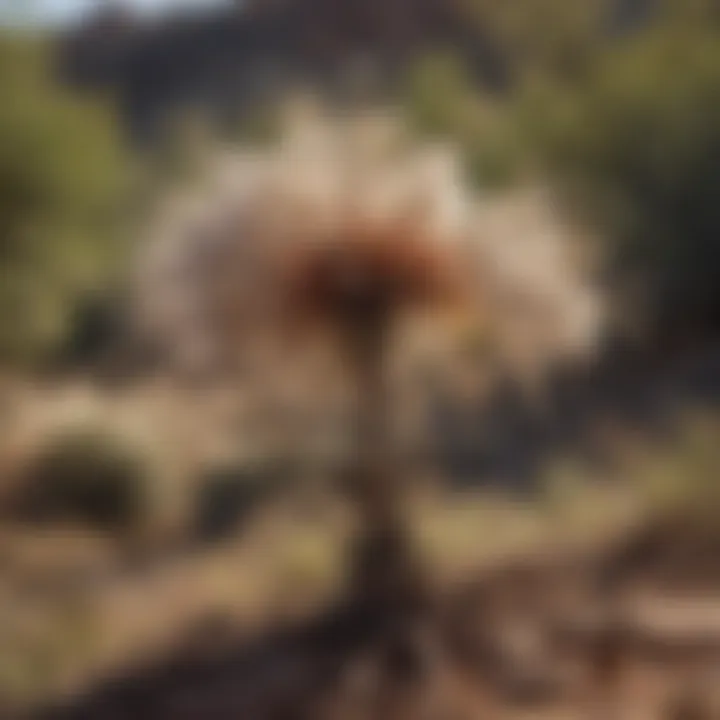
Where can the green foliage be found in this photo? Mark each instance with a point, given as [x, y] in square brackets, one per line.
[540, 37]
[62, 174]
[629, 127]
[639, 145]
[86, 476]
[440, 95]
[441, 99]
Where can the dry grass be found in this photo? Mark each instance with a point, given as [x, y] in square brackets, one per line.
[284, 565]
[74, 606]
[73, 609]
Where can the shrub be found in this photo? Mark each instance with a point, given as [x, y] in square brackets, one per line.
[549, 37]
[86, 476]
[62, 181]
[639, 150]
[441, 99]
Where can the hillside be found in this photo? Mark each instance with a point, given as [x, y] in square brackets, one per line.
[229, 59]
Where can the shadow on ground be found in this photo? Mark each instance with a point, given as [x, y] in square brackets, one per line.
[510, 439]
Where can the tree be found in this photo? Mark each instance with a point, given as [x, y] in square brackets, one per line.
[640, 150]
[62, 173]
[540, 36]
[441, 99]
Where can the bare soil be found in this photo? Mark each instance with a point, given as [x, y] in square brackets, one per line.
[630, 632]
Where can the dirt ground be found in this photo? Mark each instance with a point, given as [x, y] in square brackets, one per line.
[630, 631]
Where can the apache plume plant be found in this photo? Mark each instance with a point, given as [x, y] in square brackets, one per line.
[217, 256]
[338, 234]
[341, 230]
[356, 285]
[211, 272]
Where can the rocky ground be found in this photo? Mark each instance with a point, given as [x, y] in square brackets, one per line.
[632, 631]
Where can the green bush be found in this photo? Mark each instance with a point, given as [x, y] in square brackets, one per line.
[628, 126]
[638, 146]
[539, 37]
[439, 95]
[62, 182]
[442, 100]
[86, 476]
